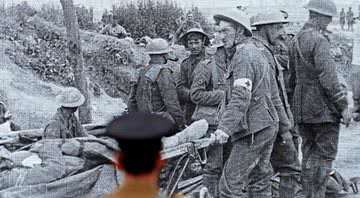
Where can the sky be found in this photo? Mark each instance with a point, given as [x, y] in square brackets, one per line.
[206, 5]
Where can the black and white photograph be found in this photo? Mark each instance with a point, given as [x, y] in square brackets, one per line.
[179, 98]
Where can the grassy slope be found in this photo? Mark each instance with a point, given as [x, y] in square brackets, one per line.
[32, 102]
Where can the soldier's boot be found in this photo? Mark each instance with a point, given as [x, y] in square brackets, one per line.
[290, 187]
[211, 182]
[315, 177]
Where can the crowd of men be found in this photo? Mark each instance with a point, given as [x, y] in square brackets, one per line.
[349, 18]
[256, 114]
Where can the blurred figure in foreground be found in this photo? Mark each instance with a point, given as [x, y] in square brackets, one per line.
[139, 137]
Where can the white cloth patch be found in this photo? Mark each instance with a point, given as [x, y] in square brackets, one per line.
[243, 82]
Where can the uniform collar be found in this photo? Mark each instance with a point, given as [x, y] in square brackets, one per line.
[198, 56]
[262, 41]
[63, 117]
[309, 25]
[230, 53]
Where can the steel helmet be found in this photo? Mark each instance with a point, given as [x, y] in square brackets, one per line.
[70, 97]
[324, 7]
[157, 46]
[235, 16]
[266, 18]
[183, 38]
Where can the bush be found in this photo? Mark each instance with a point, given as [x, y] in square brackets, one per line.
[147, 17]
[85, 18]
[54, 14]
[152, 18]
[21, 11]
[199, 17]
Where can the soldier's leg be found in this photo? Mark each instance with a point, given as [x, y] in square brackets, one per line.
[244, 157]
[213, 168]
[285, 160]
[318, 166]
[308, 138]
[260, 177]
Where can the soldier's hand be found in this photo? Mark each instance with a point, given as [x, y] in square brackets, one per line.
[221, 137]
[286, 137]
[346, 117]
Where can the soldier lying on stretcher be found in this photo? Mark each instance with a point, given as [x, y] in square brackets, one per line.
[49, 160]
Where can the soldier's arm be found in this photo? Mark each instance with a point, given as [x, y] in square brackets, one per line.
[292, 76]
[132, 105]
[52, 130]
[326, 69]
[238, 105]
[167, 89]
[80, 131]
[181, 85]
[200, 93]
[284, 122]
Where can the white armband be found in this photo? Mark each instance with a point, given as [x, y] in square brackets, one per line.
[243, 82]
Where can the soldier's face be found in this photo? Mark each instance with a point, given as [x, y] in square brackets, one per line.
[195, 45]
[275, 32]
[227, 34]
[324, 22]
[71, 109]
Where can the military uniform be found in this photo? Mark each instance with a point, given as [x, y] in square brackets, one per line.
[62, 126]
[284, 157]
[64, 123]
[350, 20]
[155, 91]
[184, 82]
[318, 101]
[208, 90]
[342, 19]
[251, 119]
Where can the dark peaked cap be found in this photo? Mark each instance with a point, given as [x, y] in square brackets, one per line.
[140, 126]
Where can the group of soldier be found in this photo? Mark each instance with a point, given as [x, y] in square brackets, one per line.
[239, 88]
[255, 113]
[348, 17]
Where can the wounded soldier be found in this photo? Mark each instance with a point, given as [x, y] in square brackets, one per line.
[64, 123]
[51, 160]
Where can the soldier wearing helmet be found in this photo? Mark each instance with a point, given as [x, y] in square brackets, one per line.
[207, 92]
[284, 157]
[342, 18]
[195, 40]
[155, 89]
[64, 124]
[319, 101]
[250, 118]
[350, 18]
